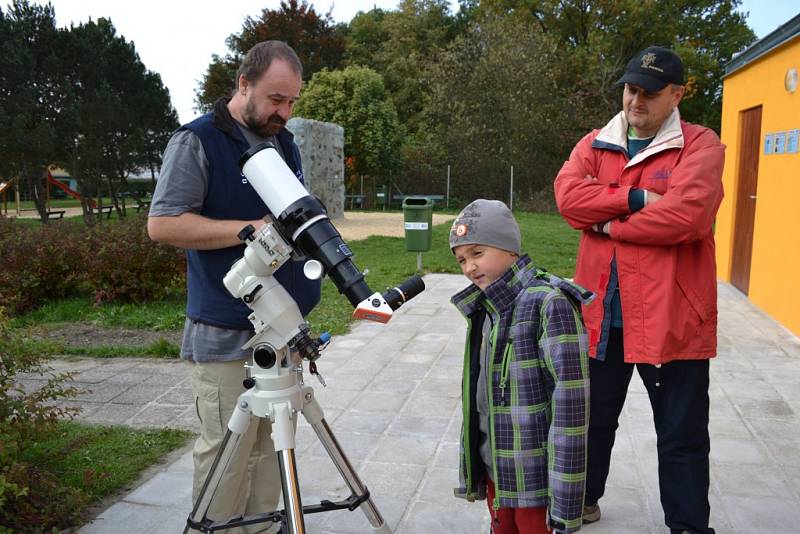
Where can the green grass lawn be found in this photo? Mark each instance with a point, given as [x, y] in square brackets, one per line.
[155, 316]
[77, 465]
[108, 457]
[160, 315]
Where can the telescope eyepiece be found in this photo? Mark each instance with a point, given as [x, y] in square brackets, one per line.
[397, 296]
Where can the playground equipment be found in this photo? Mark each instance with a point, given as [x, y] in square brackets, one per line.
[5, 188]
[69, 191]
[7, 185]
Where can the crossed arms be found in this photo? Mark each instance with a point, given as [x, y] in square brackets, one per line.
[683, 214]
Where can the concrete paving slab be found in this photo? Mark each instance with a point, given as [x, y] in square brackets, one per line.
[165, 489]
[414, 450]
[139, 394]
[156, 416]
[111, 414]
[393, 404]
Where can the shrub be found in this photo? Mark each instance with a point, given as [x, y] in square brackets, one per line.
[30, 499]
[123, 264]
[37, 264]
[110, 262]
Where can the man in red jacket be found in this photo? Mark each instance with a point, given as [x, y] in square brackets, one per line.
[644, 191]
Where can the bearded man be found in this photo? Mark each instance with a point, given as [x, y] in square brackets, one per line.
[200, 204]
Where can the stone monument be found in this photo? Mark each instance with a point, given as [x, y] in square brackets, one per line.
[322, 153]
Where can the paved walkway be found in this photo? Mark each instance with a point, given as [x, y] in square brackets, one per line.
[392, 400]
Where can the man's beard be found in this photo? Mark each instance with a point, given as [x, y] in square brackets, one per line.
[273, 125]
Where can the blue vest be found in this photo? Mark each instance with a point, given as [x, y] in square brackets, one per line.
[230, 196]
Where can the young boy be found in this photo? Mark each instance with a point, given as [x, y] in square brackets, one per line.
[526, 379]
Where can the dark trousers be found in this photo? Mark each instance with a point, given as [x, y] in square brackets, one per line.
[680, 411]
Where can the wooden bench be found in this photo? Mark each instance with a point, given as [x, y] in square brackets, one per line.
[141, 204]
[104, 209]
[55, 214]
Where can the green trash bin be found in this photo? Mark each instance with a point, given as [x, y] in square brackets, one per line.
[418, 219]
[380, 196]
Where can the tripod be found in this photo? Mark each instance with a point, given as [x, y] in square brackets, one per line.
[278, 393]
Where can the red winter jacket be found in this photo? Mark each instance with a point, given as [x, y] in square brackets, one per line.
[665, 251]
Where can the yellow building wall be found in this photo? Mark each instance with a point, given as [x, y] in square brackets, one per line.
[775, 267]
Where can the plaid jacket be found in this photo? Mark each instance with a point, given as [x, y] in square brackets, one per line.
[539, 393]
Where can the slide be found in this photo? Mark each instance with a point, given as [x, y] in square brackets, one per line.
[5, 184]
[71, 192]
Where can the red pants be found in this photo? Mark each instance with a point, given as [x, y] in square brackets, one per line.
[516, 520]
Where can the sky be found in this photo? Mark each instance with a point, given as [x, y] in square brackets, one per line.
[176, 38]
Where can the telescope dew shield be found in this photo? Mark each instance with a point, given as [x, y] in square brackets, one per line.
[272, 179]
[302, 219]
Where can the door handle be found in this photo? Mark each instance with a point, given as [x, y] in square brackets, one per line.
[752, 197]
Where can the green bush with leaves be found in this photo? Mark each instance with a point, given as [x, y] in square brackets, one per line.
[123, 265]
[114, 261]
[37, 264]
[29, 497]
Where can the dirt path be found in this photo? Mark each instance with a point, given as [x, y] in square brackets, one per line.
[362, 224]
[354, 224]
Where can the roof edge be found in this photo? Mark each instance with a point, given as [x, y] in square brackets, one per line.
[766, 44]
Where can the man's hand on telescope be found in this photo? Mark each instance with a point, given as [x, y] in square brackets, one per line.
[196, 232]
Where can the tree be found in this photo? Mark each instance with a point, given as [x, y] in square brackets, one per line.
[366, 36]
[602, 35]
[401, 45]
[124, 112]
[36, 108]
[160, 121]
[356, 99]
[497, 100]
[80, 98]
[318, 41]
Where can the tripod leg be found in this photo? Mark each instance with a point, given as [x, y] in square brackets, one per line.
[316, 418]
[283, 438]
[237, 426]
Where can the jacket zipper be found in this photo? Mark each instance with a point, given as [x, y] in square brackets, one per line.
[507, 355]
[465, 395]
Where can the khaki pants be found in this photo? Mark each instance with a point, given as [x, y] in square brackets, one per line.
[252, 482]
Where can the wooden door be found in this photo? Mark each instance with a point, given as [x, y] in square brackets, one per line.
[747, 185]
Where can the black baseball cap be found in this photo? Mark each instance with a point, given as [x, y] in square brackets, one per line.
[653, 68]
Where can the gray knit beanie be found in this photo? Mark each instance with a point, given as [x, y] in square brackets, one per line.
[486, 222]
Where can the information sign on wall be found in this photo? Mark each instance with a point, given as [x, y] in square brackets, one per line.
[780, 143]
[768, 144]
[791, 141]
